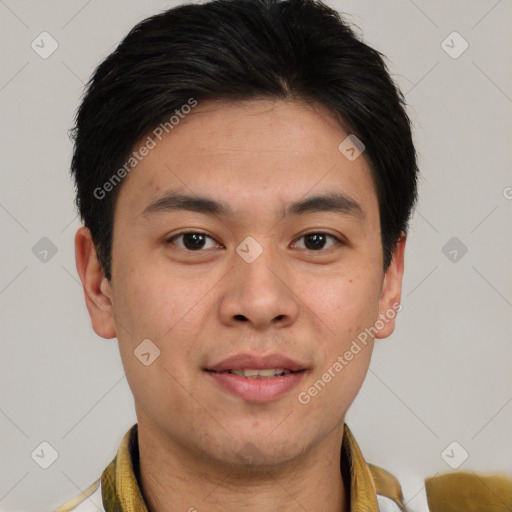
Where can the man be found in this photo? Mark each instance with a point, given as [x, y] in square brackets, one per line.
[245, 174]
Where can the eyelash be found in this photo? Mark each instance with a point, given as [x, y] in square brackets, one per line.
[171, 239]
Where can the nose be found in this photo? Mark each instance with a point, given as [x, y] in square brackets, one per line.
[260, 293]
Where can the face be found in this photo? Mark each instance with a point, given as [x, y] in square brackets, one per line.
[260, 272]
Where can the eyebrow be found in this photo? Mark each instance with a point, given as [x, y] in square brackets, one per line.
[335, 202]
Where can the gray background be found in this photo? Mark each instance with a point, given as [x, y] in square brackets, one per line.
[443, 376]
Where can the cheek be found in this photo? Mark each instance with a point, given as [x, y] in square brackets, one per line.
[344, 304]
[343, 307]
[166, 308]
[329, 393]
[154, 311]
[152, 300]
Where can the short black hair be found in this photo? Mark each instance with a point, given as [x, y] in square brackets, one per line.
[240, 49]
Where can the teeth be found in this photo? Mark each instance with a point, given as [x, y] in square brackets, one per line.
[260, 374]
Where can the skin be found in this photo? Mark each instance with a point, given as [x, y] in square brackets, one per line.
[200, 307]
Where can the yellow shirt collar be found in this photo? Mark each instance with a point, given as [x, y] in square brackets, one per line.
[121, 492]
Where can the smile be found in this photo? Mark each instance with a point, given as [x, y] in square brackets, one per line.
[256, 385]
[259, 373]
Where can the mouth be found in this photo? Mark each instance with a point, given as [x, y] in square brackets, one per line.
[255, 378]
[254, 365]
[254, 373]
[256, 385]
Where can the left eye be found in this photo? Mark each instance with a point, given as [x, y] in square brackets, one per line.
[317, 241]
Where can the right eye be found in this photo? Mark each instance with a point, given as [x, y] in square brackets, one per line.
[191, 240]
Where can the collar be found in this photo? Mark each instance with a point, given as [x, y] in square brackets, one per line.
[121, 491]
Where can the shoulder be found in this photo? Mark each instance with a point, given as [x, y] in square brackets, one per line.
[457, 491]
[469, 492]
[90, 500]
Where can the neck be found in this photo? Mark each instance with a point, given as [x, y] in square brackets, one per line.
[174, 478]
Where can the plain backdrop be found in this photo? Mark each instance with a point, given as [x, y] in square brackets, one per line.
[443, 376]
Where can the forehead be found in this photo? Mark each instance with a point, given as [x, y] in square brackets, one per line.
[249, 152]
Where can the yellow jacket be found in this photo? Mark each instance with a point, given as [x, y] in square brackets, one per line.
[372, 489]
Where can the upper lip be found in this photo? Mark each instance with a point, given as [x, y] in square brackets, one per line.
[257, 362]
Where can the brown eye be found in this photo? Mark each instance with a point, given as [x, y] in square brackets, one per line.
[317, 241]
[192, 240]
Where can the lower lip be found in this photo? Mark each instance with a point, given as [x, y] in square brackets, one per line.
[257, 390]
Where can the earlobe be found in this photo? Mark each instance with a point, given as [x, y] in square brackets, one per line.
[97, 290]
[389, 303]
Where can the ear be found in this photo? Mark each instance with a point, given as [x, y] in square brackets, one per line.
[97, 288]
[389, 302]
